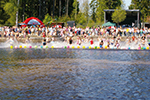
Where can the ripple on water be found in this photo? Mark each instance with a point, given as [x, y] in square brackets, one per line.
[74, 74]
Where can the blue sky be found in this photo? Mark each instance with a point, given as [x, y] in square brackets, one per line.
[127, 3]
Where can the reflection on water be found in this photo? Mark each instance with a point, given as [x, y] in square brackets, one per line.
[74, 74]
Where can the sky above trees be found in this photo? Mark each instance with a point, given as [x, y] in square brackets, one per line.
[127, 3]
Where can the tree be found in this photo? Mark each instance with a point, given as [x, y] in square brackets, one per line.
[81, 18]
[67, 2]
[143, 6]
[119, 15]
[3, 15]
[11, 8]
[76, 9]
[85, 9]
[93, 7]
[48, 19]
[34, 8]
[98, 7]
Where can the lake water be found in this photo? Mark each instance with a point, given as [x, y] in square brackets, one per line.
[74, 74]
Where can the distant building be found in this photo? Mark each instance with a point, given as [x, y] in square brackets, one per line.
[132, 17]
[146, 24]
[71, 23]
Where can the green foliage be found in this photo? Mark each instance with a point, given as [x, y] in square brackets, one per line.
[86, 9]
[34, 8]
[11, 8]
[63, 19]
[81, 18]
[119, 15]
[98, 7]
[3, 14]
[93, 7]
[48, 19]
[75, 10]
[143, 6]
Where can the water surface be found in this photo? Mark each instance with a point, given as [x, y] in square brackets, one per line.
[74, 74]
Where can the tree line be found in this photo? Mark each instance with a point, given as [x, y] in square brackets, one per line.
[143, 6]
[85, 12]
[35, 8]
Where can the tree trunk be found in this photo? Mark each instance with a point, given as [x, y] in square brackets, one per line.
[53, 8]
[67, 7]
[40, 10]
[76, 10]
[59, 8]
[24, 3]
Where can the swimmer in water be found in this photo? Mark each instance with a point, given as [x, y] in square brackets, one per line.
[139, 46]
[143, 40]
[117, 44]
[91, 41]
[149, 45]
[112, 41]
[101, 44]
[128, 41]
[70, 41]
[108, 43]
[27, 41]
[78, 40]
[48, 40]
[12, 41]
[44, 42]
[53, 40]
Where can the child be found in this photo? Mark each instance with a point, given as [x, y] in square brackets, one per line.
[44, 42]
[117, 44]
[101, 44]
[139, 46]
[128, 41]
[12, 41]
[78, 40]
[70, 40]
[53, 39]
[112, 41]
[91, 41]
[27, 40]
[108, 43]
[48, 40]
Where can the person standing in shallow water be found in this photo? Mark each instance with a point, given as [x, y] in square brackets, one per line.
[91, 41]
[101, 44]
[27, 41]
[117, 44]
[70, 41]
[143, 40]
[78, 40]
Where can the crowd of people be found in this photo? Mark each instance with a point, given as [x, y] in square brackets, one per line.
[110, 36]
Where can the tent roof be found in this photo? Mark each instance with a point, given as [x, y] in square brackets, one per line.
[33, 21]
[109, 24]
